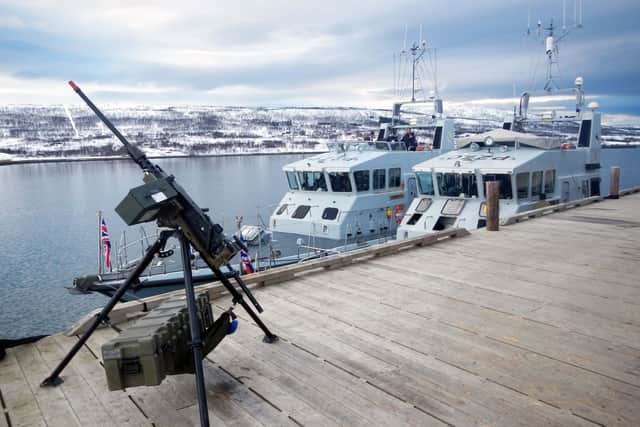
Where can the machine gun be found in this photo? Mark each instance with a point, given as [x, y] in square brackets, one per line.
[161, 199]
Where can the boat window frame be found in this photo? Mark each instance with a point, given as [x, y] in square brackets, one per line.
[505, 192]
[549, 185]
[323, 188]
[296, 213]
[472, 175]
[419, 180]
[348, 181]
[518, 187]
[357, 182]
[399, 177]
[539, 185]
[288, 174]
[324, 213]
[384, 179]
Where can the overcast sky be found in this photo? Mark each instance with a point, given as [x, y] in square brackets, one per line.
[280, 53]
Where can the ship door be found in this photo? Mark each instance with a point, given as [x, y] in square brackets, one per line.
[595, 187]
[566, 194]
[412, 189]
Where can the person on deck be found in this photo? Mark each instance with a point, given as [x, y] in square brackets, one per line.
[409, 139]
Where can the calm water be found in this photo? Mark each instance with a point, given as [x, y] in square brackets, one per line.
[48, 225]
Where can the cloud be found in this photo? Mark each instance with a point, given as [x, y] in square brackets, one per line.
[11, 23]
[268, 53]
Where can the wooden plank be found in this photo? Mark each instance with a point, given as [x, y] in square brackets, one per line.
[536, 213]
[121, 409]
[580, 314]
[256, 375]
[459, 403]
[522, 281]
[300, 366]
[18, 398]
[562, 345]
[497, 361]
[78, 393]
[174, 402]
[123, 311]
[149, 400]
[4, 418]
[51, 400]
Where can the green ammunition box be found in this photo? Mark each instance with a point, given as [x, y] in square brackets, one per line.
[157, 345]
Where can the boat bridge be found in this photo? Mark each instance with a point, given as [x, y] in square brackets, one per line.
[536, 324]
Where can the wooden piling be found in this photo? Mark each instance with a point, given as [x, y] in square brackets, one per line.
[492, 192]
[614, 184]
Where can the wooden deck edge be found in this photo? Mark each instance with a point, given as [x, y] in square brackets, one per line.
[536, 213]
[628, 191]
[126, 311]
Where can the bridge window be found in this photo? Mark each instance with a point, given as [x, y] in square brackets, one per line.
[457, 184]
[437, 138]
[379, 179]
[312, 181]
[301, 211]
[504, 179]
[585, 133]
[293, 183]
[281, 209]
[362, 180]
[522, 183]
[536, 184]
[550, 181]
[394, 178]
[340, 182]
[425, 183]
[330, 213]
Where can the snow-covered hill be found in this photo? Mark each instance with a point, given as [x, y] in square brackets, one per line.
[56, 132]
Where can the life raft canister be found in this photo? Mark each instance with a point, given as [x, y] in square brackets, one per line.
[398, 213]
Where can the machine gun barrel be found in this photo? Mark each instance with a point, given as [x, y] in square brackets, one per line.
[138, 156]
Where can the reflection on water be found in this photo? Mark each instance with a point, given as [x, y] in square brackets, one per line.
[48, 224]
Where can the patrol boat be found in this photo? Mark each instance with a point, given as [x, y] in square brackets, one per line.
[359, 191]
[538, 161]
[533, 171]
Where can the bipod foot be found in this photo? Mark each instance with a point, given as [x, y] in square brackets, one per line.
[51, 382]
[270, 339]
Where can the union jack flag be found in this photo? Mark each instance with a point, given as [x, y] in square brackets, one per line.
[245, 261]
[106, 244]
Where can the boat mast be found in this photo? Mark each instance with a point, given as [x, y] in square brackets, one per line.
[553, 38]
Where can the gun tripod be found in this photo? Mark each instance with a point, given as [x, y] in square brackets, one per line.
[196, 342]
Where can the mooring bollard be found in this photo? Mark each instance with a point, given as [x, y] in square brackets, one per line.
[492, 192]
[614, 184]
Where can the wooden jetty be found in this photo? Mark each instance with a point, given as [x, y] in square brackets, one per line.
[537, 324]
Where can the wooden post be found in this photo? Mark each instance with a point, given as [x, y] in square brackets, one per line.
[492, 196]
[614, 184]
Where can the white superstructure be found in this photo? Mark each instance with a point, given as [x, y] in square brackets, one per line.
[358, 191]
[533, 171]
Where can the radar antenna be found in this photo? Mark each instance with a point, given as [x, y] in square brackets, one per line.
[553, 37]
[421, 61]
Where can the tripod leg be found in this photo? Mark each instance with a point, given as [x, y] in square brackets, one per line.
[54, 379]
[247, 291]
[196, 343]
[269, 337]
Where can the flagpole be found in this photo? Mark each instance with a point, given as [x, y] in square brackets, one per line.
[100, 271]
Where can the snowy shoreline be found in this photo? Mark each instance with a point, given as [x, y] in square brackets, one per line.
[28, 160]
